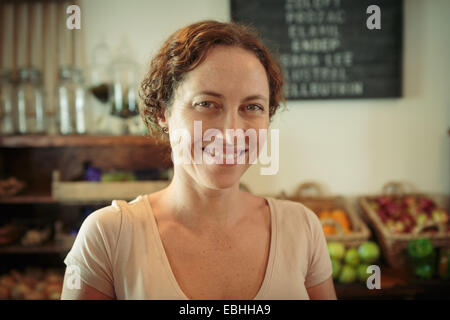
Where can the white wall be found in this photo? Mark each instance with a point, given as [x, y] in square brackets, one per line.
[350, 146]
[145, 23]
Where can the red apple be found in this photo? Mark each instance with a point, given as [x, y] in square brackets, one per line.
[384, 200]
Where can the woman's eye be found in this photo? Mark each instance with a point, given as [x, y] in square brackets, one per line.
[205, 104]
[254, 107]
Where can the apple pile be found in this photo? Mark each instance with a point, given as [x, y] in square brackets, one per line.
[352, 264]
[409, 214]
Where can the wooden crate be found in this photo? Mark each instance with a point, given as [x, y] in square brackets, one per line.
[83, 191]
[360, 231]
[393, 245]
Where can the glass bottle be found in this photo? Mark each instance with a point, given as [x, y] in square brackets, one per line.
[125, 76]
[7, 111]
[99, 84]
[71, 106]
[30, 105]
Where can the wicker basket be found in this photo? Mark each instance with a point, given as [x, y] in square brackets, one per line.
[360, 232]
[394, 245]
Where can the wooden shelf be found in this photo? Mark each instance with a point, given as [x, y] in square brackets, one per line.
[28, 199]
[42, 141]
[47, 248]
[395, 284]
[48, 199]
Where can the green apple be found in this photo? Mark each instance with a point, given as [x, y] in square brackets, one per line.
[369, 252]
[348, 274]
[336, 250]
[439, 216]
[421, 219]
[362, 272]
[424, 271]
[336, 268]
[352, 257]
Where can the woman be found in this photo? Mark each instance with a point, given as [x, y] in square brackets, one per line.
[202, 237]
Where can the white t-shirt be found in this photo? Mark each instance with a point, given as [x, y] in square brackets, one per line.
[118, 251]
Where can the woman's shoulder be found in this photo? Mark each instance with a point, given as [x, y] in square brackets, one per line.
[103, 219]
[294, 213]
[290, 207]
[111, 216]
[106, 225]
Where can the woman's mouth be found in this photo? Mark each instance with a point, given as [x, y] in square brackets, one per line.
[230, 156]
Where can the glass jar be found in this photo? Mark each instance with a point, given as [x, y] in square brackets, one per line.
[71, 102]
[30, 105]
[7, 111]
[125, 76]
[99, 85]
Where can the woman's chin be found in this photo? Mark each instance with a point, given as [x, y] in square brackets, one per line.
[223, 176]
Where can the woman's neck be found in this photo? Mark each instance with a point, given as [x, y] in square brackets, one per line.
[195, 205]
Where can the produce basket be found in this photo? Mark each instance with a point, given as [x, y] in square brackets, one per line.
[318, 202]
[393, 241]
[80, 191]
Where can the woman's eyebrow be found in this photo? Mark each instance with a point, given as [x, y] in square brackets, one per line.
[218, 95]
[209, 93]
[256, 97]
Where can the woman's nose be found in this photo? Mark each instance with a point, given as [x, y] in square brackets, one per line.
[232, 121]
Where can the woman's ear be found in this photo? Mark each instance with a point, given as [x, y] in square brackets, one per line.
[162, 121]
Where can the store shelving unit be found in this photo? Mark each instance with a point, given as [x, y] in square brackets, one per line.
[45, 141]
[32, 159]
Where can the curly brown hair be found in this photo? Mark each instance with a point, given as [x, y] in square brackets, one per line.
[187, 48]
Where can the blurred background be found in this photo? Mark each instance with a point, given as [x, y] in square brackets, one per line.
[374, 165]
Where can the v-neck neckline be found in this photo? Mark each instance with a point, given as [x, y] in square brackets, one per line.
[270, 263]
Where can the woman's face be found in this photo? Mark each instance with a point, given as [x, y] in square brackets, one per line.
[228, 90]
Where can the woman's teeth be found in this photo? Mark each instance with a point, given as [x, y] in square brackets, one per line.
[225, 156]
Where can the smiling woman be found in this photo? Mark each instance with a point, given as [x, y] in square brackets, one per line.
[202, 237]
[186, 49]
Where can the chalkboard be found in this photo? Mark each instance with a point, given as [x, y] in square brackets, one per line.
[326, 49]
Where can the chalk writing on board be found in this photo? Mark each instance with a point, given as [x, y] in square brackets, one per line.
[325, 48]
